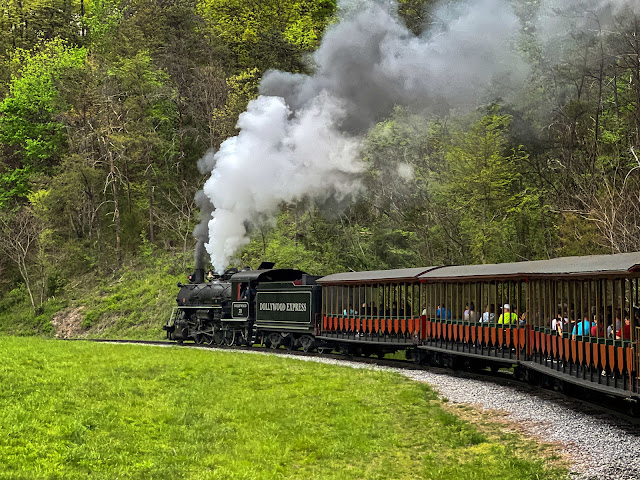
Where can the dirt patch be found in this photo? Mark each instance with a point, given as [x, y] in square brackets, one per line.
[68, 323]
[496, 422]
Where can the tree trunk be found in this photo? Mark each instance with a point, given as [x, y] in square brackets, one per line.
[152, 238]
[116, 208]
[22, 266]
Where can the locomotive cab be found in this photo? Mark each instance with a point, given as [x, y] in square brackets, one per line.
[244, 287]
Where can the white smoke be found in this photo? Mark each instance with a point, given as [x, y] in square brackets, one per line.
[300, 138]
[277, 157]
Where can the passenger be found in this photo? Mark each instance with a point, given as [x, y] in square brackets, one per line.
[568, 327]
[488, 316]
[507, 317]
[596, 330]
[465, 314]
[351, 311]
[557, 323]
[523, 319]
[473, 316]
[624, 333]
[582, 328]
[443, 312]
[610, 327]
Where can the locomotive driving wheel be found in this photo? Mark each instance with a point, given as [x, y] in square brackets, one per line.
[275, 340]
[218, 335]
[307, 342]
[229, 337]
[207, 337]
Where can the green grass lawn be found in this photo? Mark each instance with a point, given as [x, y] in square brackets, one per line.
[72, 409]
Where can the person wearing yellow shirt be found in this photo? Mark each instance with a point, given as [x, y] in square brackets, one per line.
[507, 317]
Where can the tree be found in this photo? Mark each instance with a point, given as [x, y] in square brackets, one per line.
[270, 33]
[499, 216]
[19, 234]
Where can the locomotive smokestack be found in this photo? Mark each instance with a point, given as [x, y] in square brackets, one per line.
[199, 255]
[199, 275]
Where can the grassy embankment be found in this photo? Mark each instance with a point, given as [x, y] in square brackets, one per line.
[123, 411]
[133, 303]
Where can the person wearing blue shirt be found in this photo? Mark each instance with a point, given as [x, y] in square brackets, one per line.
[351, 311]
[581, 328]
[443, 312]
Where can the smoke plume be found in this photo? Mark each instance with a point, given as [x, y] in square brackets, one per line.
[201, 231]
[300, 138]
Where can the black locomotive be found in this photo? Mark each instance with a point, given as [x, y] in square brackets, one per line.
[276, 307]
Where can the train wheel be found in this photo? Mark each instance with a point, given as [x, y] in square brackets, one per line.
[291, 343]
[207, 338]
[218, 336]
[323, 350]
[275, 340]
[229, 337]
[307, 342]
[198, 338]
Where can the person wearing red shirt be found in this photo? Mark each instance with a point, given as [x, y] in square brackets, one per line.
[624, 333]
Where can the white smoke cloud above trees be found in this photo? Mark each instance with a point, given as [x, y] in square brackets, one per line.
[300, 138]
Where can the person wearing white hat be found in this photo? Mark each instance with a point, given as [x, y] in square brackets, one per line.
[507, 317]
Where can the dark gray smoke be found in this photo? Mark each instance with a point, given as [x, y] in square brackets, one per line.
[300, 139]
[201, 231]
[370, 61]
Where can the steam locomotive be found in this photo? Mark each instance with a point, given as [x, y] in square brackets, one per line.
[275, 307]
[571, 324]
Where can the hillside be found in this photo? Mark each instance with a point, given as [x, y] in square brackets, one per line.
[134, 303]
[322, 134]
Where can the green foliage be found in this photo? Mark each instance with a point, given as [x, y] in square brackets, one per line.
[106, 106]
[267, 34]
[14, 185]
[241, 89]
[134, 304]
[104, 17]
[498, 214]
[297, 241]
[17, 316]
[28, 114]
[77, 409]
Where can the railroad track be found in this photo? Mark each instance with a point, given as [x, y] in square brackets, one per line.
[382, 362]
